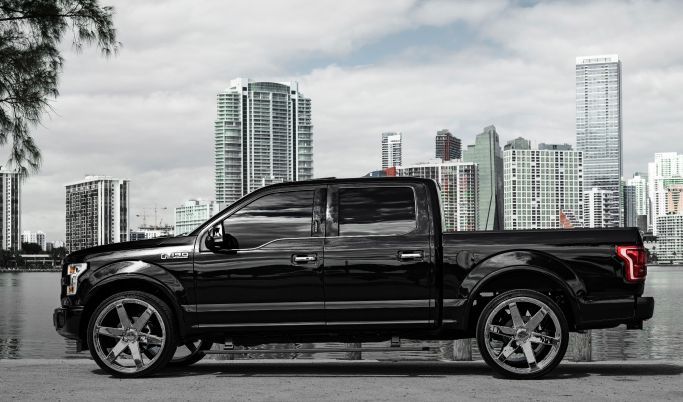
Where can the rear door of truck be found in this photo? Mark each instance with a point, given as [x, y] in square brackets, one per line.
[379, 257]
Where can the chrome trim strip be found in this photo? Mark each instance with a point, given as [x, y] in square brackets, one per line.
[379, 322]
[260, 324]
[453, 302]
[205, 308]
[337, 305]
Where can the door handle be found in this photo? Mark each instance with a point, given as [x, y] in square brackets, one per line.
[303, 259]
[410, 255]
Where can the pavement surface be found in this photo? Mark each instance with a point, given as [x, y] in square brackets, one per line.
[301, 380]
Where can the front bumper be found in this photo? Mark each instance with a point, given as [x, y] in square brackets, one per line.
[631, 311]
[67, 322]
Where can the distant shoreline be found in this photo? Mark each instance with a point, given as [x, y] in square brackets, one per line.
[58, 269]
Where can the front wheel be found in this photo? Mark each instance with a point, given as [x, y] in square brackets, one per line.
[522, 334]
[131, 334]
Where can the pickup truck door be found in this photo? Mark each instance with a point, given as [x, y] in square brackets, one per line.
[272, 277]
[379, 266]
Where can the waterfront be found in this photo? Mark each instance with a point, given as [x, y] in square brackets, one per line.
[28, 299]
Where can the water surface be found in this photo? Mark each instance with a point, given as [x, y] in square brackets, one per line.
[28, 298]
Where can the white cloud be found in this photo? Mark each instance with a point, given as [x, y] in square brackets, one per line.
[147, 114]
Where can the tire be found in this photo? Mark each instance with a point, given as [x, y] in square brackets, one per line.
[522, 334]
[132, 334]
[190, 352]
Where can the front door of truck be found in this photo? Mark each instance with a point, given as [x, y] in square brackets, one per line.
[378, 256]
[270, 277]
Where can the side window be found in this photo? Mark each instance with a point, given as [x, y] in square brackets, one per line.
[376, 211]
[271, 217]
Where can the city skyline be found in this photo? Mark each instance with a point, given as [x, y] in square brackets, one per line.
[147, 113]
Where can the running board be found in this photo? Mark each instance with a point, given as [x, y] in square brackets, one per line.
[324, 350]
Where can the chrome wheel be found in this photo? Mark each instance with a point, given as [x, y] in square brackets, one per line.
[128, 335]
[522, 334]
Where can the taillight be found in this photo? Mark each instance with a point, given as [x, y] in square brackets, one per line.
[635, 260]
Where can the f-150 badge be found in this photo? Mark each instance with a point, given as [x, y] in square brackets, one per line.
[173, 256]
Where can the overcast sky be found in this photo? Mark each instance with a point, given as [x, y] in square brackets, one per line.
[368, 66]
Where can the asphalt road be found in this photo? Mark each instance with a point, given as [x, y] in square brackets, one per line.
[340, 380]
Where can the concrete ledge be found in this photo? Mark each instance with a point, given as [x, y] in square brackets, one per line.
[315, 380]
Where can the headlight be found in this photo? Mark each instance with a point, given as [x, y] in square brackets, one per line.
[73, 271]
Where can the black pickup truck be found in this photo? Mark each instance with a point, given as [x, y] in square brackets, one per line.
[349, 260]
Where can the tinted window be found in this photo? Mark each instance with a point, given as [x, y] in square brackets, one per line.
[271, 217]
[376, 211]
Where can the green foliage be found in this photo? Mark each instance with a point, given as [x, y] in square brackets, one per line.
[30, 62]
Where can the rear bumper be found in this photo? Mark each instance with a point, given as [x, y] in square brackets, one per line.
[631, 311]
[67, 322]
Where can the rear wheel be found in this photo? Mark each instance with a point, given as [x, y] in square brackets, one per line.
[190, 352]
[131, 334]
[522, 334]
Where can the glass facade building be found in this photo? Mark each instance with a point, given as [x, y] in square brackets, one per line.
[392, 144]
[458, 182]
[263, 135]
[543, 189]
[599, 129]
[486, 153]
[97, 212]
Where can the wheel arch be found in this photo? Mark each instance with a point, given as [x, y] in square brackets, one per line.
[523, 269]
[118, 277]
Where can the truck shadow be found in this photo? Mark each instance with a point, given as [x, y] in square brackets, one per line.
[410, 369]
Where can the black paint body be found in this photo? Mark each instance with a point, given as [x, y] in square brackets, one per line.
[344, 275]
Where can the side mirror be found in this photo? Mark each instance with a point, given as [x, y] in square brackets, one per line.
[218, 240]
[215, 238]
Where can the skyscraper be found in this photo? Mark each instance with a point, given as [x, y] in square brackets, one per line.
[192, 214]
[458, 181]
[391, 149]
[594, 202]
[487, 154]
[97, 212]
[10, 200]
[639, 184]
[599, 129]
[543, 188]
[448, 147]
[665, 172]
[263, 135]
[630, 210]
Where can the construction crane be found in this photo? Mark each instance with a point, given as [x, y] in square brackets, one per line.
[143, 215]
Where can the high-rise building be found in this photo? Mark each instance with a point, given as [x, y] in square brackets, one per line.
[599, 129]
[630, 210]
[518, 143]
[486, 153]
[97, 212]
[192, 214]
[670, 239]
[458, 181]
[448, 147]
[391, 149]
[554, 147]
[594, 208]
[639, 184]
[263, 135]
[666, 171]
[37, 237]
[10, 196]
[543, 188]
